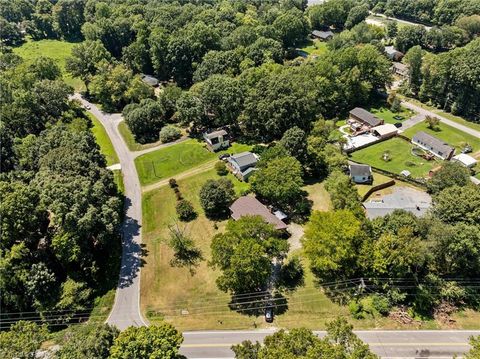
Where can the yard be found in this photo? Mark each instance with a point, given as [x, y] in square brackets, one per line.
[451, 135]
[383, 111]
[55, 49]
[314, 47]
[401, 158]
[178, 158]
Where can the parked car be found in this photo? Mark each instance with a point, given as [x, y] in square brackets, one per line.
[397, 124]
[269, 314]
[223, 156]
[88, 107]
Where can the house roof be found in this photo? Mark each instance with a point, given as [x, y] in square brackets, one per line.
[244, 159]
[400, 67]
[366, 116]
[250, 206]
[360, 170]
[390, 50]
[215, 134]
[466, 160]
[434, 143]
[385, 130]
[150, 80]
[322, 34]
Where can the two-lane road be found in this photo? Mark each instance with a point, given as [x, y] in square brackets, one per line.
[394, 344]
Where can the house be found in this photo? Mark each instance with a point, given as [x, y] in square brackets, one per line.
[217, 140]
[150, 80]
[393, 54]
[322, 35]
[433, 145]
[250, 206]
[361, 174]
[465, 160]
[243, 164]
[385, 131]
[364, 117]
[400, 69]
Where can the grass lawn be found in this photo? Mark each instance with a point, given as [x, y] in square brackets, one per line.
[169, 161]
[106, 147]
[401, 158]
[55, 49]
[383, 111]
[315, 47]
[377, 180]
[319, 196]
[452, 136]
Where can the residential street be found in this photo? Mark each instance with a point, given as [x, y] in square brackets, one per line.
[394, 344]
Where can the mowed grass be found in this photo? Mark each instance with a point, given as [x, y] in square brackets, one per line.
[450, 135]
[101, 137]
[387, 115]
[55, 49]
[401, 158]
[315, 47]
[169, 161]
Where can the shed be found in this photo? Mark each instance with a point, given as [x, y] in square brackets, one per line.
[250, 206]
[365, 117]
[433, 145]
[361, 174]
[385, 131]
[400, 69]
[393, 54]
[465, 160]
[322, 35]
[150, 80]
[217, 140]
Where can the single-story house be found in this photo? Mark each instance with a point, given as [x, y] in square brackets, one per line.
[367, 118]
[250, 206]
[150, 80]
[433, 145]
[400, 69]
[393, 54]
[243, 164]
[217, 140]
[361, 174]
[385, 131]
[465, 160]
[322, 35]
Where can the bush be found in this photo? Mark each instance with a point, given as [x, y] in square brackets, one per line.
[169, 133]
[173, 183]
[369, 307]
[185, 210]
[221, 168]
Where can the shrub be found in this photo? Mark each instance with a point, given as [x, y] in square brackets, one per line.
[221, 168]
[185, 210]
[173, 183]
[169, 133]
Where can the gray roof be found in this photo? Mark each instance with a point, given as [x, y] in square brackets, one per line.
[215, 134]
[322, 34]
[150, 80]
[244, 159]
[250, 206]
[399, 66]
[437, 145]
[360, 170]
[390, 50]
[366, 116]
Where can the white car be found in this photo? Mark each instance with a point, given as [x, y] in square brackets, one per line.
[87, 107]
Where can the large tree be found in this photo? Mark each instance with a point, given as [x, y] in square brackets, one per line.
[216, 196]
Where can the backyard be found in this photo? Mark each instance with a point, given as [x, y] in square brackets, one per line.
[55, 49]
[400, 158]
[383, 111]
[178, 158]
[314, 47]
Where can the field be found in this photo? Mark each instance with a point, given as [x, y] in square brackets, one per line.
[452, 136]
[106, 147]
[55, 49]
[400, 155]
[178, 158]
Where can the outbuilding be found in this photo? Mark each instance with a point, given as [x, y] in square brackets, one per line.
[465, 160]
[361, 174]
[393, 54]
[322, 35]
[217, 140]
[385, 131]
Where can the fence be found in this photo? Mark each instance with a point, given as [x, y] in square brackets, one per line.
[377, 188]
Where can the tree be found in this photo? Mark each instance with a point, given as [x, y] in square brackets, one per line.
[185, 210]
[291, 27]
[413, 59]
[331, 243]
[145, 120]
[451, 174]
[190, 109]
[356, 15]
[294, 140]
[10, 33]
[409, 36]
[69, 18]
[22, 340]
[471, 24]
[156, 341]
[343, 193]
[158, 42]
[458, 204]
[474, 352]
[169, 133]
[216, 197]
[432, 122]
[279, 181]
[392, 29]
[87, 341]
[221, 168]
[244, 254]
[185, 252]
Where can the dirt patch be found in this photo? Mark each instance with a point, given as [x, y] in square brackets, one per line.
[400, 315]
[443, 314]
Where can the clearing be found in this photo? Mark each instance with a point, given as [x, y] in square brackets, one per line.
[55, 49]
[169, 161]
[400, 158]
[314, 48]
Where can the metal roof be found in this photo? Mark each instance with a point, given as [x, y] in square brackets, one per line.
[322, 34]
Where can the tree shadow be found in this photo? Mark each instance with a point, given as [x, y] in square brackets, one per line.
[256, 304]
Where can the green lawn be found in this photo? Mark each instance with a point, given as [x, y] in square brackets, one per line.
[106, 147]
[55, 49]
[178, 158]
[451, 135]
[401, 158]
[315, 47]
[382, 110]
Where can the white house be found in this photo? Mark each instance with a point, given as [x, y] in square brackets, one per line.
[217, 140]
[243, 164]
[433, 145]
[361, 174]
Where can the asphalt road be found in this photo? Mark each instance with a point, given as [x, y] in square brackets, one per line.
[126, 310]
[387, 344]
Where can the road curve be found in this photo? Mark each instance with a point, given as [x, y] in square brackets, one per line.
[126, 309]
[394, 344]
